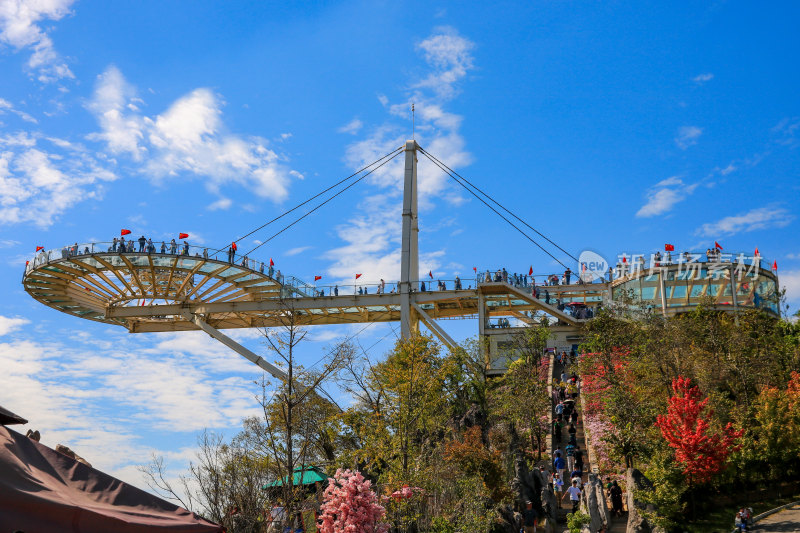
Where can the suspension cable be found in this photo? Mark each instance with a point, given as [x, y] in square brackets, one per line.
[457, 180]
[298, 206]
[451, 171]
[396, 153]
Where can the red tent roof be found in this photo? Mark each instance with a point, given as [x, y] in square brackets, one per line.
[43, 490]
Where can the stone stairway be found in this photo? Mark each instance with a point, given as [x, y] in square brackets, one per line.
[617, 525]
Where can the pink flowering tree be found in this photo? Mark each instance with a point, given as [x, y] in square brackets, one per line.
[350, 506]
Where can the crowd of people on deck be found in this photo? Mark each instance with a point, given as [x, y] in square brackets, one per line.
[525, 280]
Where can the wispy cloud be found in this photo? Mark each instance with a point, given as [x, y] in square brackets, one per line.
[785, 132]
[20, 28]
[7, 107]
[702, 78]
[101, 395]
[756, 219]
[188, 139]
[296, 251]
[9, 324]
[790, 280]
[372, 238]
[352, 127]
[663, 196]
[38, 183]
[687, 136]
[450, 55]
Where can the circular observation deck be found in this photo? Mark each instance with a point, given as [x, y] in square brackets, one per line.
[729, 282]
[83, 281]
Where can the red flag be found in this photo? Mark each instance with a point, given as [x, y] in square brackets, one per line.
[775, 266]
[39, 248]
[317, 278]
[718, 245]
[271, 262]
[233, 246]
[475, 269]
[669, 248]
[757, 254]
[125, 232]
[530, 271]
[430, 273]
[183, 235]
[359, 275]
[27, 263]
[624, 260]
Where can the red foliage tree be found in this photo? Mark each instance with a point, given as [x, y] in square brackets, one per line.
[701, 452]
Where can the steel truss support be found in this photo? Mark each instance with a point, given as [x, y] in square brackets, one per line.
[236, 347]
[441, 334]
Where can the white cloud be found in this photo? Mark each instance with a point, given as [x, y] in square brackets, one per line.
[372, 237]
[664, 195]
[687, 136]
[756, 219]
[702, 78]
[786, 130]
[6, 106]
[9, 325]
[37, 185]
[223, 203]
[101, 395]
[351, 127]
[19, 28]
[790, 280]
[450, 56]
[727, 170]
[187, 139]
[295, 251]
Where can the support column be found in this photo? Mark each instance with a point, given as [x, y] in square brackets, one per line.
[409, 259]
[235, 346]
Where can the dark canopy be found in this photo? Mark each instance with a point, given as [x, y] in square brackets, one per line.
[43, 490]
[7, 417]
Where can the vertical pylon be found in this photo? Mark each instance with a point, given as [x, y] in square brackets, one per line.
[409, 259]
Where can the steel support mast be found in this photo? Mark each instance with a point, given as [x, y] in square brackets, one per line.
[409, 260]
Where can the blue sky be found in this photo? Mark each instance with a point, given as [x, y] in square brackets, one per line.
[615, 127]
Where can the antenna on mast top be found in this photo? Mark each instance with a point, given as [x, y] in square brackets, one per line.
[412, 121]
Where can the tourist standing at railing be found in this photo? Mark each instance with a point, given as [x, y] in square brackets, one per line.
[142, 242]
[270, 271]
[114, 245]
[567, 276]
[173, 246]
[261, 268]
[458, 283]
[205, 256]
[151, 248]
[163, 247]
[336, 290]
[185, 248]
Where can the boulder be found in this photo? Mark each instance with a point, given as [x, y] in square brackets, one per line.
[507, 520]
[602, 505]
[591, 503]
[636, 483]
